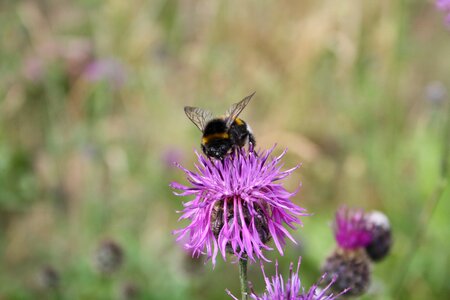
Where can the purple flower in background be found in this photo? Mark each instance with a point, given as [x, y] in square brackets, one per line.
[435, 93]
[354, 230]
[110, 70]
[109, 257]
[444, 5]
[239, 206]
[33, 68]
[170, 156]
[77, 54]
[351, 228]
[292, 289]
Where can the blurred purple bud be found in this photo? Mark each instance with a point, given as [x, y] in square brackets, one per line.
[171, 156]
[435, 92]
[33, 69]
[110, 70]
[77, 54]
[444, 6]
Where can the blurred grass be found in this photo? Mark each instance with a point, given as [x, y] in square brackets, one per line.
[347, 88]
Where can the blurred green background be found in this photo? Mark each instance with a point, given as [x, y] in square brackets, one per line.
[91, 114]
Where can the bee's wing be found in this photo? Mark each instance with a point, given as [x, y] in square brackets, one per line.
[198, 116]
[234, 111]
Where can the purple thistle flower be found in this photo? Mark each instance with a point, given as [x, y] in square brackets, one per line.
[351, 228]
[444, 6]
[277, 289]
[239, 206]
[33, 69]
[110, 70]
[170, 156]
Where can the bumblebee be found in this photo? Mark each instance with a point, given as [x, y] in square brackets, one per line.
[222, 134]
[218, 220]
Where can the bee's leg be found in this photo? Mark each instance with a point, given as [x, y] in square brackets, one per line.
[251, 142]
[204, 149]
[251, 139]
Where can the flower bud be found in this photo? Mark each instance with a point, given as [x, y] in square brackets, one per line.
[381, 242]
[108, 257]
[350, 268]
[48, 278]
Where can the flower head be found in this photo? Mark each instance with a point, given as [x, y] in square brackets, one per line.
[444, 5]
[436, 92]
[381, 233]
[129, 291]
[110, 70]
[348, 268]
[351, 228]
[33, 69]
[108, 257]
[170, 156]
[239, 205]
[48, 278]
[292, 289]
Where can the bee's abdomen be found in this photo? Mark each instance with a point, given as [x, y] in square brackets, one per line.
[215, 126]
[215, 136]
[239, 122]
[239, 132]
[215, 130]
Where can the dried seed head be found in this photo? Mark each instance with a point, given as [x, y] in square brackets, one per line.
[48, 278]
[351, 268]
[129, 291]
[108, 257]
[381, 242]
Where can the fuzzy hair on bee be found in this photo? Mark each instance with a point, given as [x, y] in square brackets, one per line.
[218, 220]
[222, 134]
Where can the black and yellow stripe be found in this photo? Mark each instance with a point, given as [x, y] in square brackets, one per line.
[214, 136]
[239, 122]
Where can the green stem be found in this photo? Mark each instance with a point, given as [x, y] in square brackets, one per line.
[243, 277]
[442, 188]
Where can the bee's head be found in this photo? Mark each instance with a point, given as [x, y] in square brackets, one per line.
[217, 149]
